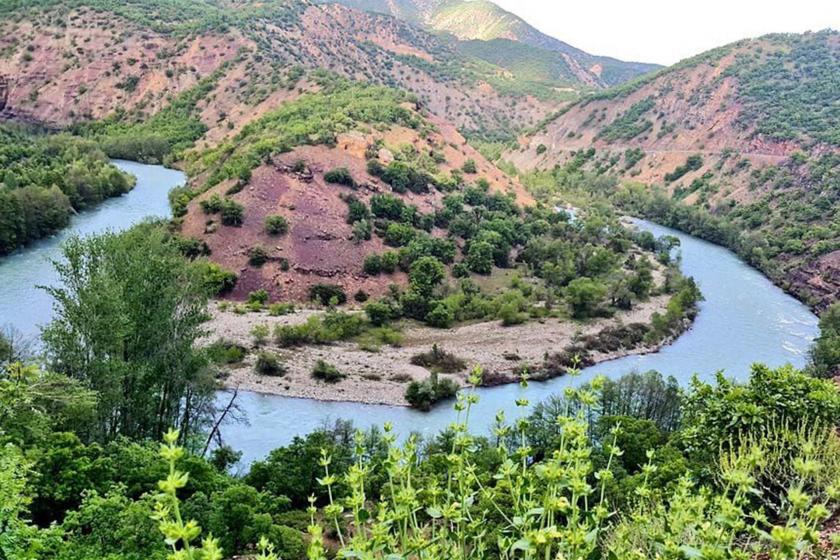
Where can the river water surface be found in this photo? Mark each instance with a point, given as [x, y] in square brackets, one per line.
[744, 319]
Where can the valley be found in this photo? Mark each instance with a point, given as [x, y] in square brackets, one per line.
[305, 279]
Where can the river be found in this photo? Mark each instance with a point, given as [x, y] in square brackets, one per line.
[744, 319]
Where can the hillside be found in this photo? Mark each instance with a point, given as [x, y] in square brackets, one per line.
[506, 40]
[67, 61]
[268, 172]
[746, 134]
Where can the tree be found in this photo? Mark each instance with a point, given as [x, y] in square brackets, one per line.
[480, 257]
[426, 273]
[127, 316]
[825, 354]
[585, 296]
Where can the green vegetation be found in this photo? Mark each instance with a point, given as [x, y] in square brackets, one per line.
[326, 372]
[340, 176]
[423, 395]
[732, 470]
[125, 326]
[825, 355]
[439, 361]
[692, 163]
[160, 138]
[276, 225]
[630, 124]
[311, 119]
[789, 89]
[44, 179]
[269, 364]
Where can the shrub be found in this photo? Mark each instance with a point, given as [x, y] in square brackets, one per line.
[423, 394]
[269, 364]
[340, 176]
[327, 294]
[440, 316]
[225, 352]
[260, 334]
[257, 256]
[362, 231]
[510, 314]
[212, 205]
[327, 372]
[398, 235]
[541, 149]
[216, 279]
[439, 360]
[276, 225]
[372, 265]
[278, 309]
[379, 313]
[258, 296]
[361, 296]
[232, 213]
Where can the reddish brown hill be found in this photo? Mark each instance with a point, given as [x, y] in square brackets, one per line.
[319, 247]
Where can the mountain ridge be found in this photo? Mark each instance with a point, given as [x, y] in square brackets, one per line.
[471, 20]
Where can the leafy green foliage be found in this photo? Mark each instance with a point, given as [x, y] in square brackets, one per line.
[126, 320]
[789, 89]
[311, 119]
[45, 178]
[423, 395]
[825, 355]
[276, 225]
[630, 124]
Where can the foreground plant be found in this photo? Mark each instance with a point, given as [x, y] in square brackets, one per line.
[179, 534]
[556, 508]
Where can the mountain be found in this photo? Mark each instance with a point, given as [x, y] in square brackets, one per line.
[509, 40]
[747, 134]
[68, 61]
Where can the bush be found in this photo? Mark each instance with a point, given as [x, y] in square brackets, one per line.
[257, 256]
[340, 176]
[372, 265]
[423, 394]
[212, 205]
[327, 294]
[276, 225]
[269, 364]
[278, 309]
[439, 360]
[327, 372]
[225, 352]
[398, 235]
[232, 213]
[216, 279]
[469, 166]
[379, 313]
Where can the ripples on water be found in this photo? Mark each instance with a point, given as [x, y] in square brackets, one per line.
[744, 319]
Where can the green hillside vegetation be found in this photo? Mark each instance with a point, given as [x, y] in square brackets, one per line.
[533, 66]
[181, 17]
[160, 138]
[790, 89]
[44, 179]
[312, 119]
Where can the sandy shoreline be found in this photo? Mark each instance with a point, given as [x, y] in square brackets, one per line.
[382, 377]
